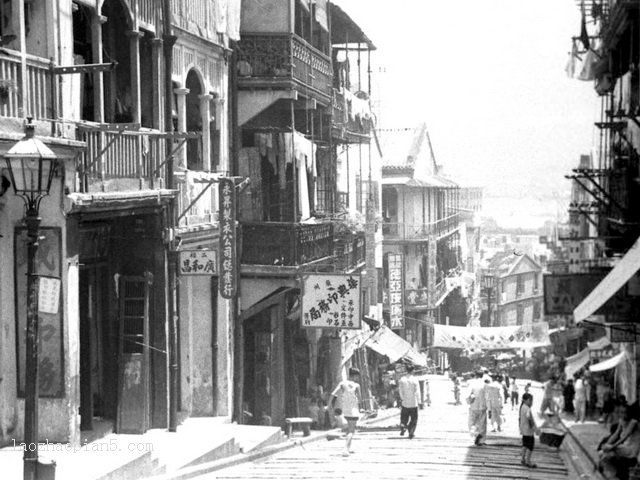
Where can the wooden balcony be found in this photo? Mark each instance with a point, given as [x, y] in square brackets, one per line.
[285, 244]
[121, 157]
[347, 124]
[416, 232]
[37, 101]
[283, 61]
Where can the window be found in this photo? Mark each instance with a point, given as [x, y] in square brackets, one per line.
[536, 310]
[519, 285]
[519, 314]
[536, 279]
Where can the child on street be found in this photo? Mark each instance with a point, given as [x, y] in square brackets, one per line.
[527, 429]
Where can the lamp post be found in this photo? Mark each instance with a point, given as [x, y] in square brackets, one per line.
[31, 167]
[488, 282]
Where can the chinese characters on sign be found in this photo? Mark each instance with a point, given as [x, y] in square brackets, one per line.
[48, 295]
[331, 301]
[396, 303]
[198, 262]
[228, 260]
[48, 264]
[623, 332]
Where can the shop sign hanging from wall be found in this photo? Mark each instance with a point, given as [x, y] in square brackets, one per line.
[198, 262]
[331, 301]
[396, 297]
[228, 258]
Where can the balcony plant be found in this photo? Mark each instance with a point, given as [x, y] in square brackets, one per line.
[6, 87]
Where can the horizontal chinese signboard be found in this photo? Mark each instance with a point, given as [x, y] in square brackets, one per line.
[564, 292]
[198, 262]
[623, 332]
[331, 301]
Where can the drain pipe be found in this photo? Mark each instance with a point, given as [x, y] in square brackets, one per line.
[168, 42]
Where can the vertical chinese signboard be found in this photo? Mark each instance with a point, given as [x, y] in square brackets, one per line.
[48, 268]
[331, 301]
[396, 300]
[228, 258]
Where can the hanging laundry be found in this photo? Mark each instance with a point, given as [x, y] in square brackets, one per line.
[221, 16]
[260, 139]
[625, 92]
[584, 35]
[587, 72]
[321, 13]
[233, 19]
[570, 68]
[284, 158]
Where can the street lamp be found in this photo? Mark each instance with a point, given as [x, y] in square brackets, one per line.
[488, 282]
[31, 167]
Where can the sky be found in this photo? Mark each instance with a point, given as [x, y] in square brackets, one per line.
[488, 78]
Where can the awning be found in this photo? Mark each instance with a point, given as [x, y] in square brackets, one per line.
[614, 281]
[609, 363]
[576, 362]
[425, 181]
[599, 344]
[387, 343]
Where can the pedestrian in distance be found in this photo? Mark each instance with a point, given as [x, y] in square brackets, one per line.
[477, 401]
[409, 390]
[548, 396]
[580, 398]
[514, 393]
[494, 404]
[456, 390]
[569, 393]
[527, 429]
[347, 396]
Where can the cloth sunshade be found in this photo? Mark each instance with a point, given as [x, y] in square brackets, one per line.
[387, 343]
[609, 363]
[614, 281]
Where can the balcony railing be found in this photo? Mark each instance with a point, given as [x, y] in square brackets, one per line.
[38, 99]
[121, 154]
[347, 119]
[282, 58]
[349, 250]
[404, 231]
[285, 244]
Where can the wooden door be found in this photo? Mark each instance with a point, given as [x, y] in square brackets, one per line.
[133, 364]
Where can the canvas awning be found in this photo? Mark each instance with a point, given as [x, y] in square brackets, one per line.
[576, 362]
[387, 343]
[614, 281]
[609, 363]
[599, 344]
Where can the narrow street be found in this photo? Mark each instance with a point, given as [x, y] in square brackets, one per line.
[441, 449]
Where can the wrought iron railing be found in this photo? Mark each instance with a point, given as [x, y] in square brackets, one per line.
[349, 250]
[36, 98]
[285, 244]
[406, 231]
[284, 56]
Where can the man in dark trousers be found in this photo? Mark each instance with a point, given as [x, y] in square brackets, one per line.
[409, 390]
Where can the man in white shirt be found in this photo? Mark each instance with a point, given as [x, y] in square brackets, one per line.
[477, 400]
[409, 390]
[495, 403]
[347, 397]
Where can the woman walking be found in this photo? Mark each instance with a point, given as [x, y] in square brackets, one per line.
[514, 393]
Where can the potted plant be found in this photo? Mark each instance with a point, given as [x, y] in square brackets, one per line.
[6, 87]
